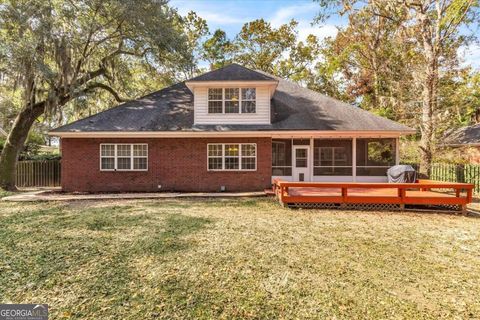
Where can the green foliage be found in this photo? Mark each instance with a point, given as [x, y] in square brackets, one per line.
[217, 50]
[32, 149]
[73, 53]
[275, 50]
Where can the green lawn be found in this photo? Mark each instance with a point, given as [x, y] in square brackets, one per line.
[181, 259]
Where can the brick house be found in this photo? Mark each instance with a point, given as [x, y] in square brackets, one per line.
[231, 129]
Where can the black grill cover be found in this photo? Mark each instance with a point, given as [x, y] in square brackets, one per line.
[401, 174]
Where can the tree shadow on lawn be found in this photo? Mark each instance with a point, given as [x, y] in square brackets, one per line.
[84, 250]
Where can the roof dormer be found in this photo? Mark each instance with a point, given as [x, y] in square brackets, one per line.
[232, 95]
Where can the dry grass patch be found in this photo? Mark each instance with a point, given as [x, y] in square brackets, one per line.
[236, 258]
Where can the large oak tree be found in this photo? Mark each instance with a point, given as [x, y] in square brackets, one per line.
[55, 52]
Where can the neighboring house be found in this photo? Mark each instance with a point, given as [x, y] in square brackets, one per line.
[466, 141]
[463, 137]
[231, 129]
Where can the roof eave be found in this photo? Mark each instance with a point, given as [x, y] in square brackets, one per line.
[231, 133]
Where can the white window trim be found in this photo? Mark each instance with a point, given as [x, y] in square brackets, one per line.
[240, 100]
[115, 157]
[239, 157]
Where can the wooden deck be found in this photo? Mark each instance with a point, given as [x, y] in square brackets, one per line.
[421, 193]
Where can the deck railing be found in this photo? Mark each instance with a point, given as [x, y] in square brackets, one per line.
[460, 194]
[451, 172]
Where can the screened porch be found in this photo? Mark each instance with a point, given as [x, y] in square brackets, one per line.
[334, 159]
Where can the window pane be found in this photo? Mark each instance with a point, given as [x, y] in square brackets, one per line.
[248, 106]
[231, 94]
[301, 163]
[215, 150]
[248, 150]
[215, 107]
[248, 163]
[108, 163]
[123, 163]
[231, 163]
[332, 152]
[249, 93]
[326, 156]
[140, 163]
[231, 150]
[282, 152]
[282, 171]
[140, 150]
[108, 150]
[123, 150]
[301, 153]
[231, 107]
[215, 94]
[375, 152]
[215, 163]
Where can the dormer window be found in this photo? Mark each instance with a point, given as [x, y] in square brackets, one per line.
[232, 100]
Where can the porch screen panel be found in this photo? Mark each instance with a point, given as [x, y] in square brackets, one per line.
[332, 157]
[375, 156]
[281, 157]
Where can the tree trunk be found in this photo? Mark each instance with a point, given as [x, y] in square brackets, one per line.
[14, 144]
[429, 93]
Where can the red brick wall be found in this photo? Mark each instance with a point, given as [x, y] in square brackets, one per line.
[175, 164]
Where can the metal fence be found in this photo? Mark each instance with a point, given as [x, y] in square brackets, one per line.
[38, 173]
[469, 173]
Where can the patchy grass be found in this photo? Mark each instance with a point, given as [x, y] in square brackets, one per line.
[244, 258]
[4, 193]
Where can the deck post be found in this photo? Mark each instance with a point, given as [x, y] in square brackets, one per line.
[401, 194]
[354, 159]
[469, 195]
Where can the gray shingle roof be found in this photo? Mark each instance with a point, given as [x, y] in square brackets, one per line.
[293, 108]
[464, 136]
[233, 72]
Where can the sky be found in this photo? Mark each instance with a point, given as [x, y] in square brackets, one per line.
[230, 15]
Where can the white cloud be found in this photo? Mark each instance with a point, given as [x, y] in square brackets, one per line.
[322, 32]
[306, 11]
[210, 12]
[285, 14]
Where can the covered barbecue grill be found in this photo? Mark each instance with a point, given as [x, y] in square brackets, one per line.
[401, 174]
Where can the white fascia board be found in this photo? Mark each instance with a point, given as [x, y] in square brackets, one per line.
[227, 84]
[231, 134]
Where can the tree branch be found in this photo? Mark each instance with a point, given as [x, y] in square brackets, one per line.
[103, 86]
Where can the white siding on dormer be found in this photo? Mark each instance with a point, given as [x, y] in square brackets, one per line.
[201, 115]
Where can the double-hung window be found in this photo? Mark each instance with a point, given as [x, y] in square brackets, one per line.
[123, 157]
[232, 100]
[232, 157]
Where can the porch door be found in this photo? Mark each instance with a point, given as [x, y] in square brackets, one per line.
[301, 169]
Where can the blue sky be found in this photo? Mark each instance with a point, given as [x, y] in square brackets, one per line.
[230, 15]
